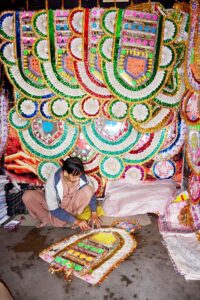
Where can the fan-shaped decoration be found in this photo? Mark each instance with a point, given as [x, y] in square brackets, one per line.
[46, 168]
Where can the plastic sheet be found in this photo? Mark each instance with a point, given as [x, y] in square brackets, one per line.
[124, 198]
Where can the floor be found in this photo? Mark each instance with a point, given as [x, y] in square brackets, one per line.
[147, 274]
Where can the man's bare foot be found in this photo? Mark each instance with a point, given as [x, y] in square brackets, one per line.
[40, 225]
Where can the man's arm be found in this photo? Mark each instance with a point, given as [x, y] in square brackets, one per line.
[63, 215]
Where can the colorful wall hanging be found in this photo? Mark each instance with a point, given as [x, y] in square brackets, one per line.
[103, 84]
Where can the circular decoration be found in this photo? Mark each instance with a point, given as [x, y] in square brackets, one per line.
[44, 110]
[170, 31]
[16, 122]
[41, 49]
[105, 48]
[6, 26]
[27, 108]
[76, 21]
[167, 57]
[194, 188]
[77, 115]
[40, 23]
[60, 108]
[118, 110]
[75, 47]
[7, 53]
[164, 169]
[139, 113]
[134, 173]
[90, 107]
[46, 168]
[111, 167]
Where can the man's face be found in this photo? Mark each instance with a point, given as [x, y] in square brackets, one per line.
[71, 177]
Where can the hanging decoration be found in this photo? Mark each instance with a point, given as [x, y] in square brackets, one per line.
[3, 122]
[101, 84]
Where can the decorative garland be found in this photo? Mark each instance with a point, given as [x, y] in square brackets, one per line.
[40, 141]
[16, 122]
[192, 65]
[174, 140]
[3, 122]
[190, 108]
[193, 149]
[148, 153]
[6, 26]
[194, 188]
[105, 146]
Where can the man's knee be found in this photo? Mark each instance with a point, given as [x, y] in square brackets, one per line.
[26, 196]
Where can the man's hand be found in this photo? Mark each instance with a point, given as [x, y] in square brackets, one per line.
[95, 220]
[82, 224]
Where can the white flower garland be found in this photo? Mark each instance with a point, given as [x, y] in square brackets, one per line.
[46, 151]
[148, 153]
[175, 99]
[131, 94]
[14, 70]
[162, 114]
[101, 91]
[61, 88]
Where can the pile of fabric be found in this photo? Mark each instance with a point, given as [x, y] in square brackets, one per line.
[3, 205]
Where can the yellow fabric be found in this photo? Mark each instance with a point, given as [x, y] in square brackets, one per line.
[86, 214]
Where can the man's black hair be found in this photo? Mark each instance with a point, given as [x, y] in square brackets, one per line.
[74, 166]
